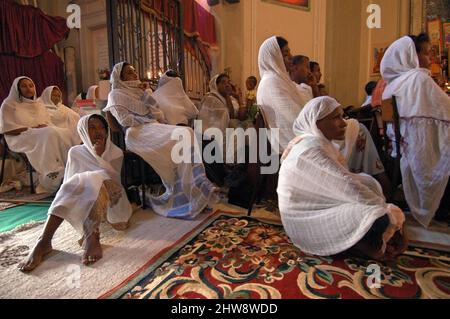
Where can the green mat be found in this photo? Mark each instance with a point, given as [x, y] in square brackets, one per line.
[12, 217]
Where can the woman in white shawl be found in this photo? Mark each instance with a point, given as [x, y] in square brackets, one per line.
[218, 107]
[277, 94]
[91, 192]
[424, 111]
[188, 191]
[178, 109]
[25, 122]
[60, 115]
[325, 208]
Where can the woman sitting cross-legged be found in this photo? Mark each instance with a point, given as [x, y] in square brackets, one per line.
[90, 193]
[324, 207]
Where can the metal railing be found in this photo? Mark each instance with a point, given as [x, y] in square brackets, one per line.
[149, 34]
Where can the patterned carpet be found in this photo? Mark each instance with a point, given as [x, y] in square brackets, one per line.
[235, 257]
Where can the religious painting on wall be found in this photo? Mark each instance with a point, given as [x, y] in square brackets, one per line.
[296, 4]
[446, 29]
[435, 34]
[376, 55]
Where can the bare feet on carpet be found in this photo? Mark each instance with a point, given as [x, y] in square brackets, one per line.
[36, 256]
[93, 249]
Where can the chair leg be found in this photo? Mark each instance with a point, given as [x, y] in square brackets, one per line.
[141, 164]
[5, 152]
[30, 168]
[255, 193]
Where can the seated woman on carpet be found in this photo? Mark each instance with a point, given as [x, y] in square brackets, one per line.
[25, 122]
[60, 115]
[325, 208]
[91, 192]
[187, 190]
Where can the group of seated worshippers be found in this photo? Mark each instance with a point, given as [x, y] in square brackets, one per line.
[92, 192]
[287, 84]
[327, 207]
[29, 127]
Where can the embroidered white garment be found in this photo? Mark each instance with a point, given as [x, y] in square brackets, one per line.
[326, 209]
[46, 148]
[173, 101]
[85, 174]
[277, 94]
[188, 191]
[424, 111]
[60, 115]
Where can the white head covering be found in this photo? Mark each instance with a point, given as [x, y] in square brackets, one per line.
[173, 101]
[111, 153]
[277, 94]
[18, 112]
[314, 110]
[90, 95]
[128, 95]
[213, 89]
[399, 59]
[46, 98]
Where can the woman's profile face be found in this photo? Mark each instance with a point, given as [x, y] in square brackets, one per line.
[27, 88]
[129, 74]
[56, 96]
[287, 57]
[333, 126]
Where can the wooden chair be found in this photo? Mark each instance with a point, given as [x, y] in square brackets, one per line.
[389, 114]
[260, 181]
[25, 159]
[130, 159]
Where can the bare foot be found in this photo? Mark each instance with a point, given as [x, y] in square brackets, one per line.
[93, 249]
[36, 256]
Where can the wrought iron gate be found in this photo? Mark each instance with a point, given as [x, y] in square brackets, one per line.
[149, 34]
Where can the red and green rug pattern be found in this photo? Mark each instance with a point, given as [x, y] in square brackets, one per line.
[236, 257]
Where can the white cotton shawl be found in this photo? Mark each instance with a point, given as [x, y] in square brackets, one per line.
[424, 111]
[214, 112]
[324, 208]
[46, 148]
[60, 115]
[277, 94]
[19, 112]
[128, 95]
[173, 101]
[90, 95]
[84, 177]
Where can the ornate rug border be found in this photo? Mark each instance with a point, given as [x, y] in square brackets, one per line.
[164, 254]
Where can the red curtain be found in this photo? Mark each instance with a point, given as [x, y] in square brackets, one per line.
[199, 28]
[26, 37]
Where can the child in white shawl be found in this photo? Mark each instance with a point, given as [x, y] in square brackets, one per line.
[60, 115]
[91, 192]
[188, 191]
[424, 111]
[178, 109]
[325, 208]
[25, 122]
